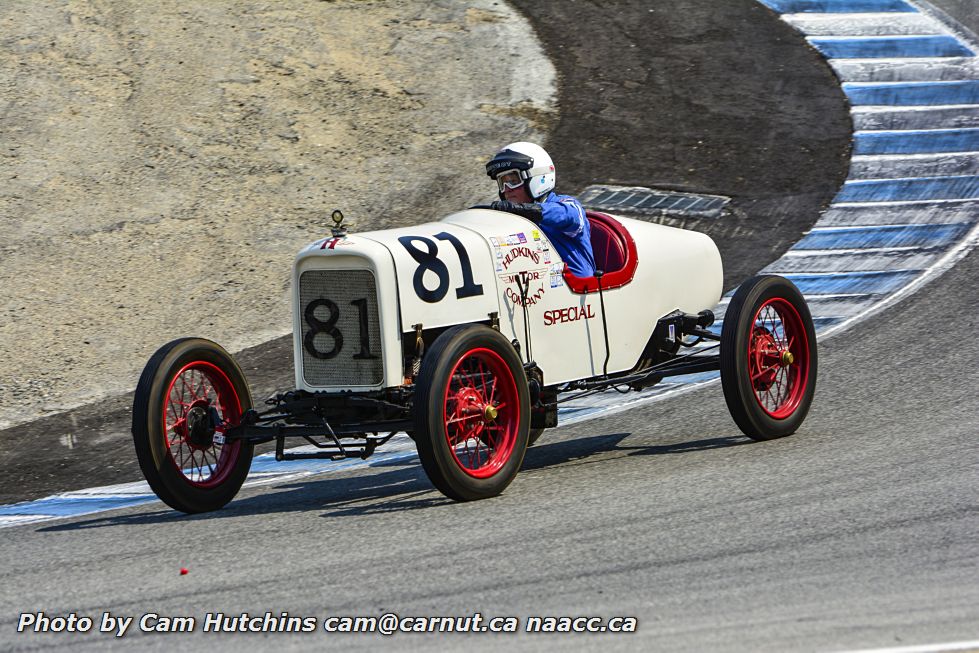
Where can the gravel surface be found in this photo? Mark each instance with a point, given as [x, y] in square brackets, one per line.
[163, 162]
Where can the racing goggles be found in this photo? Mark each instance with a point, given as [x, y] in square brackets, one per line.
[509, 180]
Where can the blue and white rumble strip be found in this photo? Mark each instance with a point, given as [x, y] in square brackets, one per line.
[910, 207]
[908, 211]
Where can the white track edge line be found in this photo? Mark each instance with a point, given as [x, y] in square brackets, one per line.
[922, 648]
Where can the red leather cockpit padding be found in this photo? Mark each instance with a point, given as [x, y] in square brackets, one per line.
[609, 250]
[614, 248]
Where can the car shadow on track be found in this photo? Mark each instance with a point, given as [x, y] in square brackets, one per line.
[581, 449]
[394, 486]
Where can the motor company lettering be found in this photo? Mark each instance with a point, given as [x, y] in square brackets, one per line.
[532, 298]
[570, 314]
[520, 252]
[529, 275]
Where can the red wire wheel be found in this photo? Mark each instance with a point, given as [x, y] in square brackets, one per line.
[778, 358]
[481, 413]
[471, 413]
[200, 403]
[190, 393]
[768, 357]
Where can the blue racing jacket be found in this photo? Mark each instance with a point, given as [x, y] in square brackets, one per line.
[565, 225]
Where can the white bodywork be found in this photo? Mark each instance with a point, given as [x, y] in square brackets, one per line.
[677, 270]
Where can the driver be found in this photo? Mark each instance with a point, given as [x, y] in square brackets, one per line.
[524, 174]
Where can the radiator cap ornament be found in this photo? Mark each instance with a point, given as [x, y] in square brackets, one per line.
[339, 229]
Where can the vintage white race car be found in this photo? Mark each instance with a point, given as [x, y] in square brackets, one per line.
[462, 333]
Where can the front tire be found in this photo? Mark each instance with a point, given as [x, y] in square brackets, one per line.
[768, 357]
[472, 413]
[191, 391]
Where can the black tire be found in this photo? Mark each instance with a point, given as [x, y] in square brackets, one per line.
[768, 357]
[468, 451]
[534, 436]
[180, 385]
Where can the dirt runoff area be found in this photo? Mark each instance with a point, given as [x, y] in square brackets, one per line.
[163, 162]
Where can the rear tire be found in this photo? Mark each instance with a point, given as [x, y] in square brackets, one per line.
[471, 413]
[189, 394]
[768, 357]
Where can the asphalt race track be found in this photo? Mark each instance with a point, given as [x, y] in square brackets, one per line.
[859, 531]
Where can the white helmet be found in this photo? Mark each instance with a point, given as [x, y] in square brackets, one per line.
[533, 165]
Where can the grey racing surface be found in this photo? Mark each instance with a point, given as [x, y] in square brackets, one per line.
[858, 531]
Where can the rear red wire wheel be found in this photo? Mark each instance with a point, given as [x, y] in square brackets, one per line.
[481, 413]
[471, 412]
[190, 394]
[778, 358]
[768, 357]
[201, 398]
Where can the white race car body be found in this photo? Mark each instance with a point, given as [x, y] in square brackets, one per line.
[357, 297]
[463, 334]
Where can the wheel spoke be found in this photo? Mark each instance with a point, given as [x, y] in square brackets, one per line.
[482, 376]
[189, 385]
[779, 395]
[755, 377]
[183, 456]
[200, 392]
[210, 468]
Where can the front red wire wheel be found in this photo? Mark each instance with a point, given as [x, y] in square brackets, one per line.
[768, 357]
[482, 413]
[190, 394]
[471, 413]
[201, 403]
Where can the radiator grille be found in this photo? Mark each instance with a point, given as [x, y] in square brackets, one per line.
[341, 331]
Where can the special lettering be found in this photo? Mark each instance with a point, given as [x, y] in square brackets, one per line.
[570, 314]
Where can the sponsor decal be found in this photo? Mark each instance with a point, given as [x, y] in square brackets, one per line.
[522, 238]
[512, 240]
[556, 271]
[531, 275]
[570, 314]
[520, 252]
[536, 234]
[331, 243]
[532, 298]
[495, 241]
